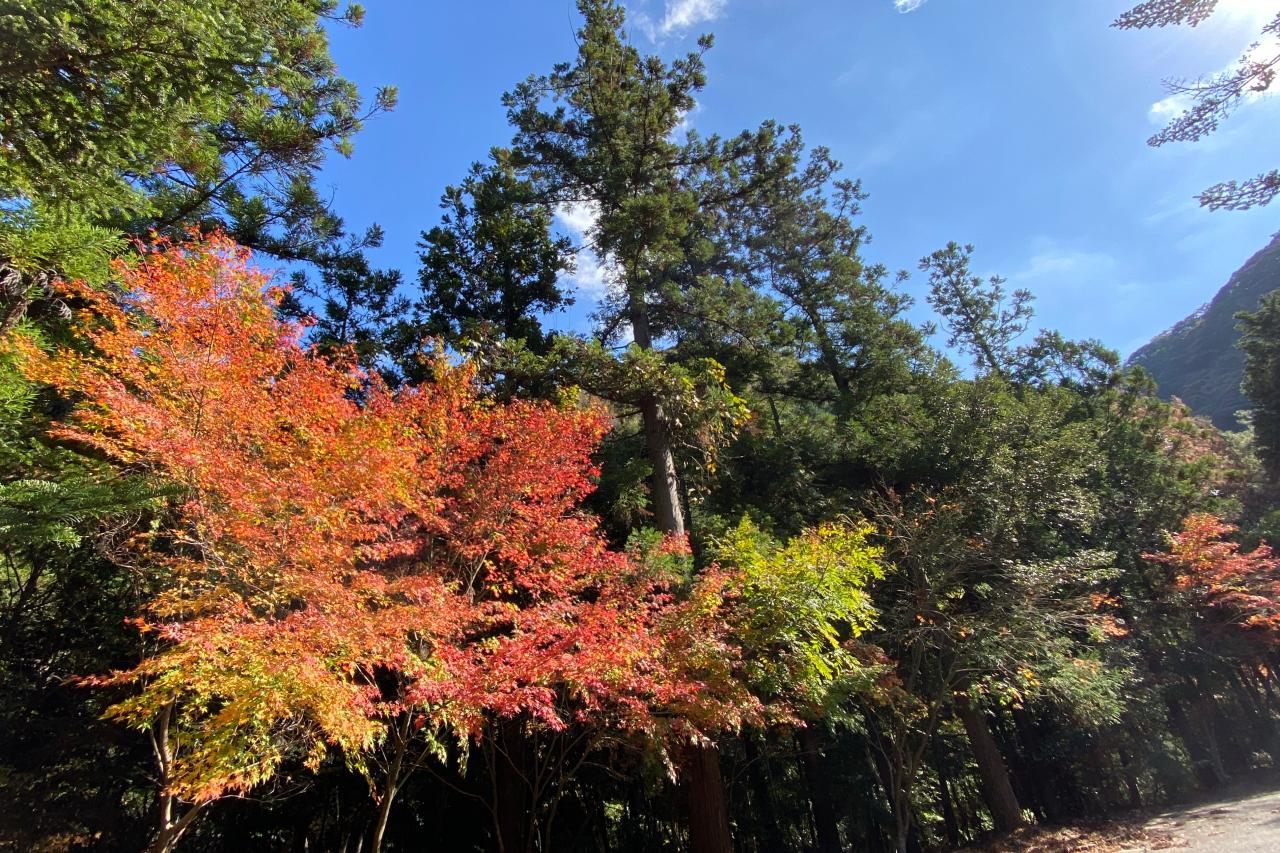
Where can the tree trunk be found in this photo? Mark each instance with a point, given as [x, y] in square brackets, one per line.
[1130, 778]
[708, 812]
[896, 785]
[171, 831]
[915, 835]
[171, 828]
[828, 354]
[1033, 779]
[668, 515]
[380, 820]
[768, 828]
[1204, 761]
[708, 815]
[997, 791]
[949, 822]
[511, 802]
[825, 823]
[390, 788]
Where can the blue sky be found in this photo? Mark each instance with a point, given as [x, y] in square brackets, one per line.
[1017, 125]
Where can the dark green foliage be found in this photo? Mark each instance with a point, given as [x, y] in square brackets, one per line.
[601, 133]
[841, 324]
[1197, 360]
[1260, 343]
[492, 266]
[985, 321]
[352, 307]
[162, 112]
[37, 245]
[64, 599]
[93, 92]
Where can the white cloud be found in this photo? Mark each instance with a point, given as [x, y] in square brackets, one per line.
[578, 217]
[679, 16]
[1166, 109]
[905, 6]
[683, 14]
[1084, 292]
[591, 274]
[1063, 265]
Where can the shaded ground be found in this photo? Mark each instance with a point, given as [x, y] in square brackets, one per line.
[1244, 818]
[1111, 837]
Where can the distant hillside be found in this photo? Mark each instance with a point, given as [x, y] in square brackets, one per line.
[1197, 359]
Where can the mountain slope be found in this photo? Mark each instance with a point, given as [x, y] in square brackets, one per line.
[1197, 359]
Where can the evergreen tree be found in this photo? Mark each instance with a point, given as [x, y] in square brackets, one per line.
[854, 331]
[352, 306]
[492, 265]
[599, 133]
[164, 112]
[985, 321]
[1260, 341]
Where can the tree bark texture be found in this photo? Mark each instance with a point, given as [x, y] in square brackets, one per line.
[997, 790]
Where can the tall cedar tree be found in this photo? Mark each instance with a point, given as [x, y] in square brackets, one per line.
[491, 265]
[600, 133]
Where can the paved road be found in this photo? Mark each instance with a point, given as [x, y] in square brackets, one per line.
[1242, 824]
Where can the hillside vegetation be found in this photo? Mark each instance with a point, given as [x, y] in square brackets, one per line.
[1197, 360]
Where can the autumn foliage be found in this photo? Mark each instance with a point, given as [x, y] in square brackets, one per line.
[344, 554]
[1236, 593]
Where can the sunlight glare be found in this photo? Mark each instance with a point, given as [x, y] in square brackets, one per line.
[1248, 11]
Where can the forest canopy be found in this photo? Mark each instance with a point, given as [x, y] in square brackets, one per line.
[349, 559]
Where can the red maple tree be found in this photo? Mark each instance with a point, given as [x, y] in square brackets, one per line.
[1235, 593]
[350, 563]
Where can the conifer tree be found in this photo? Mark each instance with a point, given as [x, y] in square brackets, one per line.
[600, 134]
[164, 112]
[1260, 341]
[492, 265]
